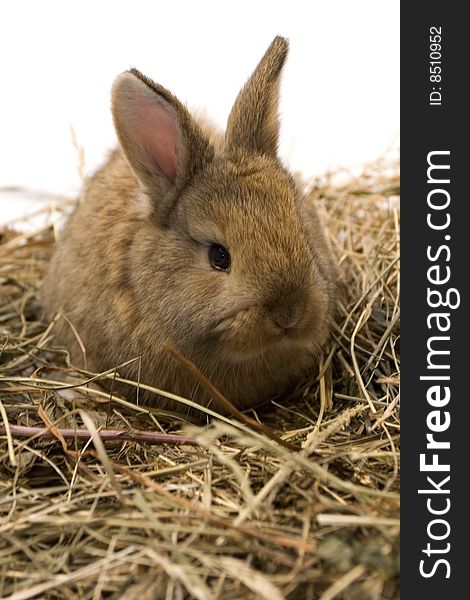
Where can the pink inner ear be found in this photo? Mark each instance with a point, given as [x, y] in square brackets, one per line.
[157, 130]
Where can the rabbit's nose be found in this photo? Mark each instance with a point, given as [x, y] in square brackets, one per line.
[287, 313]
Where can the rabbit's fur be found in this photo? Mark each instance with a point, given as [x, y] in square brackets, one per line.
[131, 271]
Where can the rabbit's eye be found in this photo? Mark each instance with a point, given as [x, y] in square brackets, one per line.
[219, 257]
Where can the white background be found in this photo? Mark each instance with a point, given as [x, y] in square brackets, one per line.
[340, 90]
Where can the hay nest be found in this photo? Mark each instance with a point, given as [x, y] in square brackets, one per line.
[221, 511]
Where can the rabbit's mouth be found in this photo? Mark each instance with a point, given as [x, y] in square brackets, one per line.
[258, 341]
[252, 332]
[295, 342]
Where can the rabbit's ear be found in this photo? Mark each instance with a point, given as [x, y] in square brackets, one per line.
[253, 123]
[162, 142]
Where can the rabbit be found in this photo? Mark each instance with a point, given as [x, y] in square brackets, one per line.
[201, 241]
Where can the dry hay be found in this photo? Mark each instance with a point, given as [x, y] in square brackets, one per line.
[242, 518]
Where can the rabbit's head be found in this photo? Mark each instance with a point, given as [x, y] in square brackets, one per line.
[239, 271]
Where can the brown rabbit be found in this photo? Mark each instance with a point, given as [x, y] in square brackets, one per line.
[199, 241]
